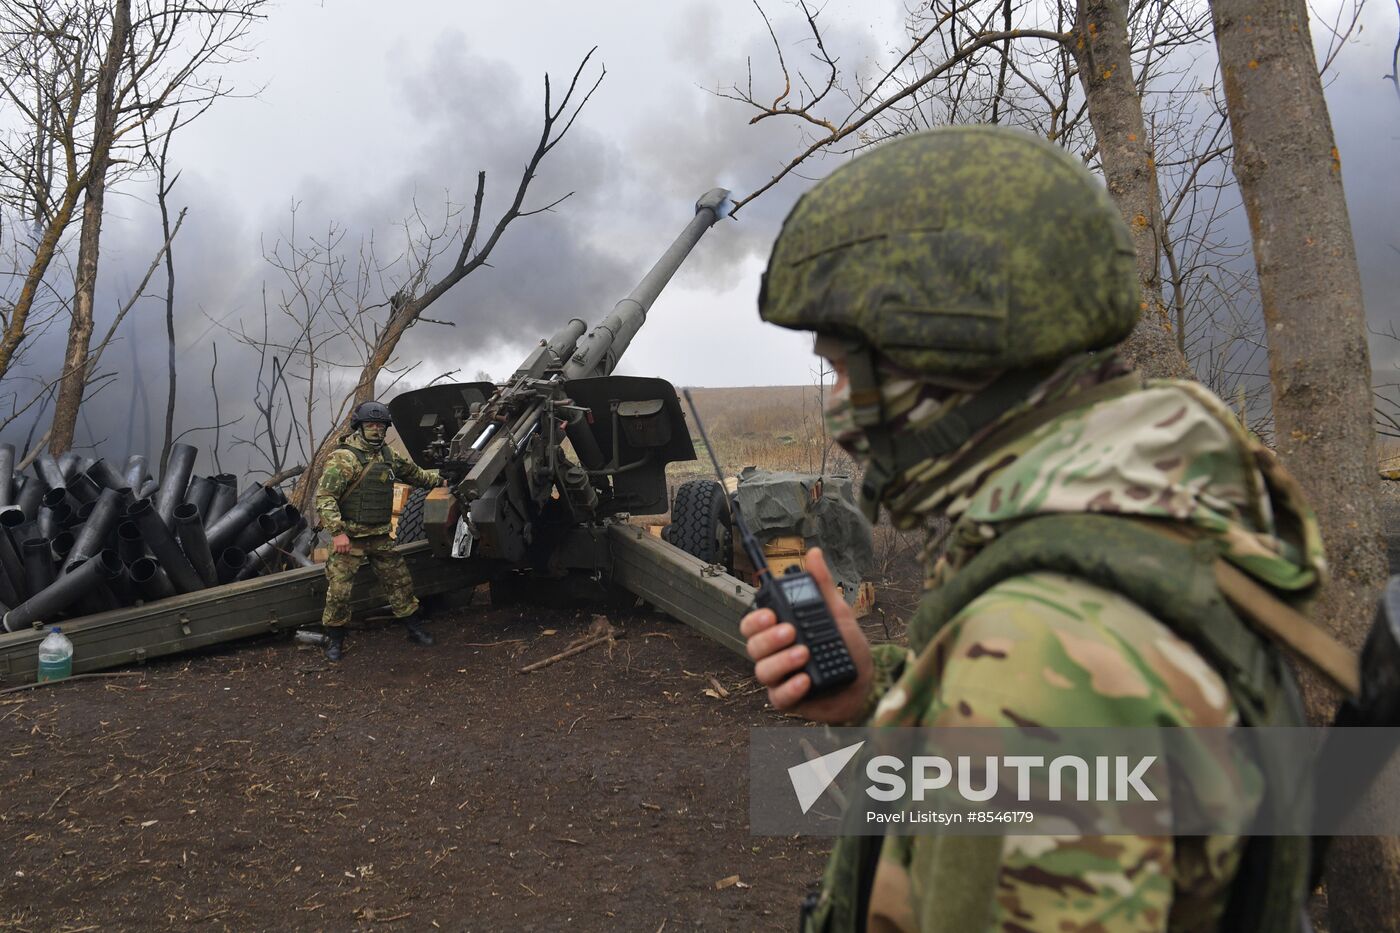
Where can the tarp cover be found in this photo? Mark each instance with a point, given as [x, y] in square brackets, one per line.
[777, 504]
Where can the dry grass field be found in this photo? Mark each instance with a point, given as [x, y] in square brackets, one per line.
[773, 427]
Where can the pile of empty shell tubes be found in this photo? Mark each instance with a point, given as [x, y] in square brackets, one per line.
[79, 536]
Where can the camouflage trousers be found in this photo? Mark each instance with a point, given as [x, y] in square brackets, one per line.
[388, 566]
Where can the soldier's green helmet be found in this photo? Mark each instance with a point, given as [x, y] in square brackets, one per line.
[958, 250]
[370, 412]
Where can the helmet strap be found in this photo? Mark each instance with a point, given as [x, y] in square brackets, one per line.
[862, 373]
[868, 409]
[896, 453]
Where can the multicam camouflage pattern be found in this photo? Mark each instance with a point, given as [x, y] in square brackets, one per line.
[1054, 650]
[388, 565]
[341, 471]
[1172, 452]
[1045, 649]
[958, 250]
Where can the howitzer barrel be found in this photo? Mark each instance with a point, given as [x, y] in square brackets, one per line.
[565, 341]
[495, 435]
[598, 352]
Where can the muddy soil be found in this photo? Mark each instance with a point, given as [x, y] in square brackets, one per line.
[410, 788]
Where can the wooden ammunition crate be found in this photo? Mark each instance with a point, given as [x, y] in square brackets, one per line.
[790, 551]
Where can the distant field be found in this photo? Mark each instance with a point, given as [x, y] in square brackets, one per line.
[773, 427]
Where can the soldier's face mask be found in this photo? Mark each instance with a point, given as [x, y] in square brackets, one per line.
[902, 398]
[374, 432]
[838, 413]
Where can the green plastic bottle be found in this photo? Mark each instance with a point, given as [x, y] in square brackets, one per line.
[55, 656]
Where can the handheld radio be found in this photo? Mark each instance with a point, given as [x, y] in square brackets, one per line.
[794, 597]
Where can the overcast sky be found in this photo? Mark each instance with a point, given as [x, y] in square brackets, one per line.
[363, 108]
[360, 112]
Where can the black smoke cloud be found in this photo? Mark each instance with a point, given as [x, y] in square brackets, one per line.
[630, 195]
[473, 114]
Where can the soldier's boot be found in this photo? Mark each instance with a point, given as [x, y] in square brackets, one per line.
[413, 624]
[335, 644]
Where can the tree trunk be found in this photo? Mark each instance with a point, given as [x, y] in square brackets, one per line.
[1104, 59]
[73, 379]
[164, 191]
[15, 334]
[1290, 177]
[403, 317]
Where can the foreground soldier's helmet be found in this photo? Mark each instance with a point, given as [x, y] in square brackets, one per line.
[370, 412]
[959, 250]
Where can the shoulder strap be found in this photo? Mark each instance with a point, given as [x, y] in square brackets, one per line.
[1282, 623]
[1177, 576]
[357, 453]
[363, 457]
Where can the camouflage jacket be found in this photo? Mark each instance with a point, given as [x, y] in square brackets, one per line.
[1055, 650]
[341, 471]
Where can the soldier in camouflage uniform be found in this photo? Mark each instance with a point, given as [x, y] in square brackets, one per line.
[355, 502]
[969, 285]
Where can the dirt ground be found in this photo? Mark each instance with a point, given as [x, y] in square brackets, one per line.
[262, 788]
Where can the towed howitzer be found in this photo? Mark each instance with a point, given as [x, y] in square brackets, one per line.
[521, 501]
[513, 492]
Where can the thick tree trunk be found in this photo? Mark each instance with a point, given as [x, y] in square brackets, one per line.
[73, 379]
[1104, 59]
[1290, 177]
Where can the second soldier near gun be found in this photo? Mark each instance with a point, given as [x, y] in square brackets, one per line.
[355, 501]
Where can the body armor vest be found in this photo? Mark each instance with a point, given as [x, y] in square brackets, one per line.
[370, 498]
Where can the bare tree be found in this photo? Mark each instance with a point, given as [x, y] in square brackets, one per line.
[337, 309]
[1290, 175]
[1103, 52]
[316, 322]
[960, 67]
[47, 389]
[104, 129]
[85, 85]
[163, 188]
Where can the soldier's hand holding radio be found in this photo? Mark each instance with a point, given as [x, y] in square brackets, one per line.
[779, 663]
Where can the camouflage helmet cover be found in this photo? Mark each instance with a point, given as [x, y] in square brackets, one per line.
[370, 412]
[957, 250]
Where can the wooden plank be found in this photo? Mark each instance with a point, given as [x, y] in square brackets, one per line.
[195, 620]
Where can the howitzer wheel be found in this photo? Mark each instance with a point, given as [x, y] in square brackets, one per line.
[410, 527]
[700, 522]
